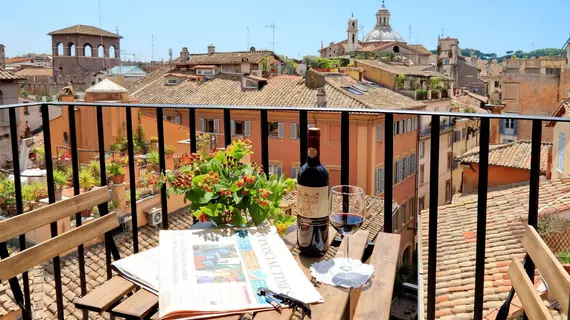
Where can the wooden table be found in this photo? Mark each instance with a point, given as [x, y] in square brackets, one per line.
[122, 298]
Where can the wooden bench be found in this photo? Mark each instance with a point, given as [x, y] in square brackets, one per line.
[11, 228]
[552, 272]
[373, 302]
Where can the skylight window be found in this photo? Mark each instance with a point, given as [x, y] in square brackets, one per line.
[352, 90]
[360, 87]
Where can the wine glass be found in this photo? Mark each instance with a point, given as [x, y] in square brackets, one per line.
[348, 210]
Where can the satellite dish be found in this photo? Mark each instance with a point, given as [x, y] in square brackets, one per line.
[252, 49]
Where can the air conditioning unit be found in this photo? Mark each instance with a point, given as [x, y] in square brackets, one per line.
[257, 73]
[154, 216]
[126, 222]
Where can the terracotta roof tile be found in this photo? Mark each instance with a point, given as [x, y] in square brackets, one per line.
[402, 69]
[83, 29]
[35, 72]
[18, 59]
[7, 75]
[512, 155]
[235, 57]
[507, 209]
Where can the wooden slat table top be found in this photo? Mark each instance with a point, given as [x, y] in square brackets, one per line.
[139, 305]
[384, 257]
[105, 295]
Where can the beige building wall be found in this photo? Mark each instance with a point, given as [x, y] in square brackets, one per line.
[468, 141]
[561, 167]
[445, 149]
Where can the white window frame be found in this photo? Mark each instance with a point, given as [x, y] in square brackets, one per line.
[510, 124]
[379, 133]
[422, 149]
[280, 130]
[293, 131]
[294, 172]
[561, 145]
[216, 125]
[275, 168]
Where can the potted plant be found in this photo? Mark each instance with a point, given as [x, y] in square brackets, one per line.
[28, 197]
[86, 182]
[61, 180]
[152, 160]
[564, 258]
[226, 191]
[168, 151]
[116, 172]
[8, 196]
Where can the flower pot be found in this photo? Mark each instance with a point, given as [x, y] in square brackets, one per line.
[58, 194]
[118, 179]
[86, 213]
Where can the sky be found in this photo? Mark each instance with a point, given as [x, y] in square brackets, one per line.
[300, 25]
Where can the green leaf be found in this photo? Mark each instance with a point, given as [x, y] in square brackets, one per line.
[237, 198]
[258, 214]
[238, 219]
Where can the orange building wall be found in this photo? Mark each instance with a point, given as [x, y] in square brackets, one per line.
[498, 176]
[377, 75]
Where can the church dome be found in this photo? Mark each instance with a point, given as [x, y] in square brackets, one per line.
[383, 34]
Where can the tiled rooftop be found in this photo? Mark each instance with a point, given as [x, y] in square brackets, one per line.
[235, 57]
[403, 69]
[513, 155]
[83, 29]
[281, 90]
[507, 209]
[7, 75]
[35, 72]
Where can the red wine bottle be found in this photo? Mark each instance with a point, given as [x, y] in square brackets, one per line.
[313, 201]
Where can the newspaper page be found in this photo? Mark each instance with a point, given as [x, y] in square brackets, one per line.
[141, 269]
[207, 272]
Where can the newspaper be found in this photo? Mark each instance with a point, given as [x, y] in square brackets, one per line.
[215, 272]
[141, 269]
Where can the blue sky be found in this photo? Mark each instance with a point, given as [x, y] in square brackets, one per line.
[488, 25]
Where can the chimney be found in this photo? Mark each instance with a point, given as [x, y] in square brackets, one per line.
[549, 164]
[2, 58]
[184, 55]
[211, 49]
[321, 98]
[314, 79]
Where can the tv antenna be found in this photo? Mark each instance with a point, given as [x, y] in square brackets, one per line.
[247, 37]
[412, 33]
[361, 27]
[152, 47]
[272, 26]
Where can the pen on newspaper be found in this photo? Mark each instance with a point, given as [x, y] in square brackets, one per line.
[279, 298]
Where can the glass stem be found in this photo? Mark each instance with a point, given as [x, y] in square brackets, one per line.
[347, 257]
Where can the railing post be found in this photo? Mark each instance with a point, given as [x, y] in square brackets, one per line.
[19, 205]
[265, 142]
[481, 217]
[344, 148]
[192, 116]
[433, 203]
[77, 191]
[388, 171]
[51, 198]
[227, 127]
[534, 186]
[132, 179]
[162, 164]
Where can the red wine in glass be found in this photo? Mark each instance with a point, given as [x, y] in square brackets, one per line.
[346, 223]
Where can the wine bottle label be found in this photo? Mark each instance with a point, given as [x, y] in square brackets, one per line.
[312, 152]
[313, 202]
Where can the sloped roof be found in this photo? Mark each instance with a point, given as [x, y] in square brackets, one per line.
[35, 72]
[235, 57]
[281, 90]
[402, 69]
[495, 69]
[106, 85]
[7, 75]
[420, 48]
[128, 71]
[18, 59]
[512, 155]
[83, 29]
[507, 210]
[560, 111]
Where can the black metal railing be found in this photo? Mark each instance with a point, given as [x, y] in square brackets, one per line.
[111, 252]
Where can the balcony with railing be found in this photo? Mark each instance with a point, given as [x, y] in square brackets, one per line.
[82, 270]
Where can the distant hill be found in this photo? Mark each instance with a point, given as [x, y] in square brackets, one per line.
[548, 52]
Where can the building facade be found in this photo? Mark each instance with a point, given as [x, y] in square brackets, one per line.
[80, 51]
[463, 69]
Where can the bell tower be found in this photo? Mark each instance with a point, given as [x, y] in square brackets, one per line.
[383, 17]
[352, 34]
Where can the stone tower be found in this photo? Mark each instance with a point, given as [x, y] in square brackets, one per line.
[352, 34]
[383, 17]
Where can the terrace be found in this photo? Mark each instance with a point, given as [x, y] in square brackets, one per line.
[135, 239]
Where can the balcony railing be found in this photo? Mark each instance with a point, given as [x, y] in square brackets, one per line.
[23, 299]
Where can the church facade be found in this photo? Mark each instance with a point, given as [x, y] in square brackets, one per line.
[381, 39]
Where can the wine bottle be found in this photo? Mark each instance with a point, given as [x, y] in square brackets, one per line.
[312, 201]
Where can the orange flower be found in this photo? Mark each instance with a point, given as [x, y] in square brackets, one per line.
[282, 229]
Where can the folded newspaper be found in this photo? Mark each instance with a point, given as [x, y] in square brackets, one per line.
[205, 273]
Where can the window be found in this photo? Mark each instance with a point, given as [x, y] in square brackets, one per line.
[413, 164]
[513, 70]
[403, 213]
[379, 180]
[449, 140]
[422, 169]
[238, 127]
[561, 144]
[409, 125]
[295, 130]
[464, 133]
[422, 149]
[378, 133]
[407, 167]
[497, 84]
[276, 130]
[509, 123]
[412, 210]
[422, 203]
[449, 160]
[532, 70]
[457, 135]
[553, 71]
[294, 172]
[445, 61]
[26, 111]
[395, 221]
[275, 169]
[210, 125]
[171, 81]
[448, 191]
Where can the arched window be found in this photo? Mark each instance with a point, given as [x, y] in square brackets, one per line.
[87, 50]
[353, 36]
[60, 49]
[406, 258]
[100, 51]
[71, 49]
[111, 51]
[353, 24]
